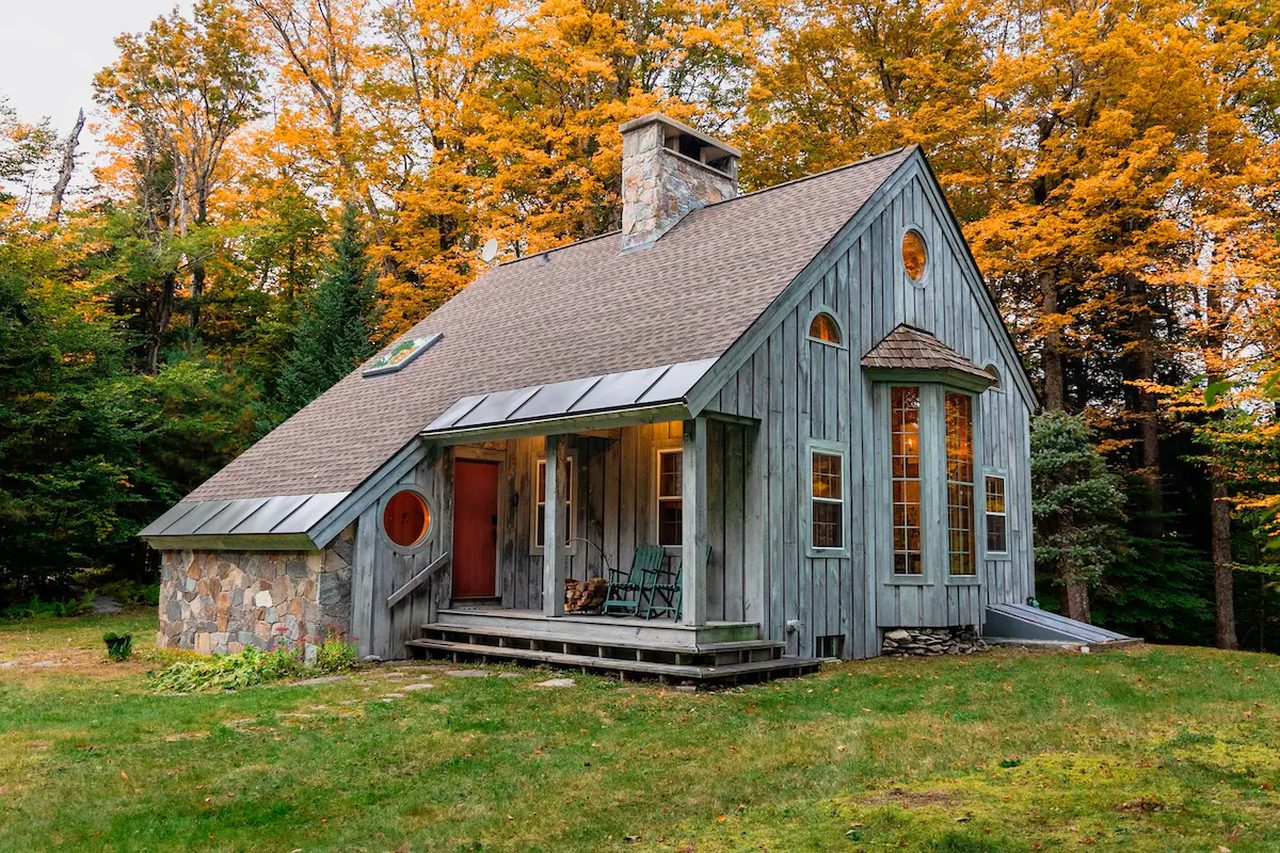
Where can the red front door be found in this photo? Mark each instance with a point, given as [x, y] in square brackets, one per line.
[475, 529]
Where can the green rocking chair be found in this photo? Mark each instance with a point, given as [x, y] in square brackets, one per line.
[664, 589]
[625, 591]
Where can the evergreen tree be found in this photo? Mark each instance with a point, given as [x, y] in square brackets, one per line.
[338, 322]
[1076, 503]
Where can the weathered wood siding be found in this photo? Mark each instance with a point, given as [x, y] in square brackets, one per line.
[615, 506]
[378, 570]
[801, 390]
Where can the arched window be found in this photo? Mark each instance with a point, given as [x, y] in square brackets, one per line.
[823, 327]
[995, 375]
[915, 256]
[406, 519]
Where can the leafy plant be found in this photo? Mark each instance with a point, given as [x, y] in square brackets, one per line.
[36, 606]
[335, 654]
[228, 672]
[119, 646]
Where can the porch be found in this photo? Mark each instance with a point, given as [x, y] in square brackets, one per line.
[527, 514]
[716, 653]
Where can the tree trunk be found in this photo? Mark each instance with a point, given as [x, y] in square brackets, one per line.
[65, 170]
[1074, 598]
[1143, 406]
[1051, 346]
[1224, 610]
[160, 321]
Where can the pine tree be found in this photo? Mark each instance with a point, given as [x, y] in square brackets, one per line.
[1076, 503]
[338, 322]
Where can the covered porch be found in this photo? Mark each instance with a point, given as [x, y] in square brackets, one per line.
[533, 513]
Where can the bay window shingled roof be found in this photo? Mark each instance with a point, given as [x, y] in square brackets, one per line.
[909, 348]
[582, 310]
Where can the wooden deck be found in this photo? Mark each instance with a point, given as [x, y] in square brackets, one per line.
[717, 653]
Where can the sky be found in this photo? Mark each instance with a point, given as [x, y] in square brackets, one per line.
[50, 50]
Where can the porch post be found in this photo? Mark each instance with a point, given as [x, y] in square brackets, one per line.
[553, 545]
[694, 522]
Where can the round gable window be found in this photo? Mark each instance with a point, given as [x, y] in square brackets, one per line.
[406, 519]
[915, 257]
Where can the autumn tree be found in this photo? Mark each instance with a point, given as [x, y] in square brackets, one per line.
[177, 94]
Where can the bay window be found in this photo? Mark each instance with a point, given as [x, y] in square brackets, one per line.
[933, 489]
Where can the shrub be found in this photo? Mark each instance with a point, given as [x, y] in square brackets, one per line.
[335, 654]
[131, 593]
[119, 646]
[36, 607]
[228, 672]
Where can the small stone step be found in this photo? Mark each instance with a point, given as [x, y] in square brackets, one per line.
[752, 671]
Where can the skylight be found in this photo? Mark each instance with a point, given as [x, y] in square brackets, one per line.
[401, 354]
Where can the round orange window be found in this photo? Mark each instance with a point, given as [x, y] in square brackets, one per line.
[914, 254]
[406, 518]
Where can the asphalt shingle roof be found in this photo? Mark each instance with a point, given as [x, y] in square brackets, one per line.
[581, 310]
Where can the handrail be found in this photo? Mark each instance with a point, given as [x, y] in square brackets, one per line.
[416, 581]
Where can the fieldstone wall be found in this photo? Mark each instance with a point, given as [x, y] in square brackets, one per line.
[218, 602]
[659, 186]
[929, 642]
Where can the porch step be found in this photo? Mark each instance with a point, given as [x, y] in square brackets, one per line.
[700, 675]
[702, 654]
[602, 629]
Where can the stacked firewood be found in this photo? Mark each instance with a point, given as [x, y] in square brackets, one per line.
[580, 595]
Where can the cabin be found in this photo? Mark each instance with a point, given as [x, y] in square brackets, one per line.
[745, 433]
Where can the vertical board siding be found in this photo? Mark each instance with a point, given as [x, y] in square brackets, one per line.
[799, 390]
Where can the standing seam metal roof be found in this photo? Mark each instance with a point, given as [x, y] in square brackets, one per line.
[583, 310]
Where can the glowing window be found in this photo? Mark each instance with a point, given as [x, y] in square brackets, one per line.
[905, 432]
[960, 490]
[824, 328]
[915, 257]
[827, 500]
[406, 519]
[670, 498]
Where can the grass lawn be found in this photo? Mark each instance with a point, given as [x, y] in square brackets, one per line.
[1145, 749]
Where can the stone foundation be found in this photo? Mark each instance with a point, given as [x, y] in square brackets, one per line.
[221, 601]
[930, 642]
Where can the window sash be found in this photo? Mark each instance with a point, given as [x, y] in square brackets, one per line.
[961, 487]
[826, 500]
[906, 482]
[997, 514]
[670, 497]
[540, 504]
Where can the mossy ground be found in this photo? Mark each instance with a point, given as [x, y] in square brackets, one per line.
[1142, 749]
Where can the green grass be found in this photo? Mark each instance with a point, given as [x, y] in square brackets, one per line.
[1147, 749]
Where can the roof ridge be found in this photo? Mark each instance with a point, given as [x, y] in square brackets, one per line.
[826, 172]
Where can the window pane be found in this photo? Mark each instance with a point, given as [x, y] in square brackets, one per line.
[671, 522]
[995, 494]
[961, 512]
[824, 328]
[828, 524]
[670, 470]
[540, 501]
[406, 519]
[827, 475]
[914, 254]
[997, 537]
[905, 467]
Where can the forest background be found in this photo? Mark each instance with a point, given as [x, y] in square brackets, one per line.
[284, 185]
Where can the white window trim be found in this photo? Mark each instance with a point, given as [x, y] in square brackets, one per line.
[835, 318]
[571, 498]
[658, 453]
[1004, 476]
[827, 448]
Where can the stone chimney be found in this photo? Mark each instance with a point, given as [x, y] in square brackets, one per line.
[669, 169]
